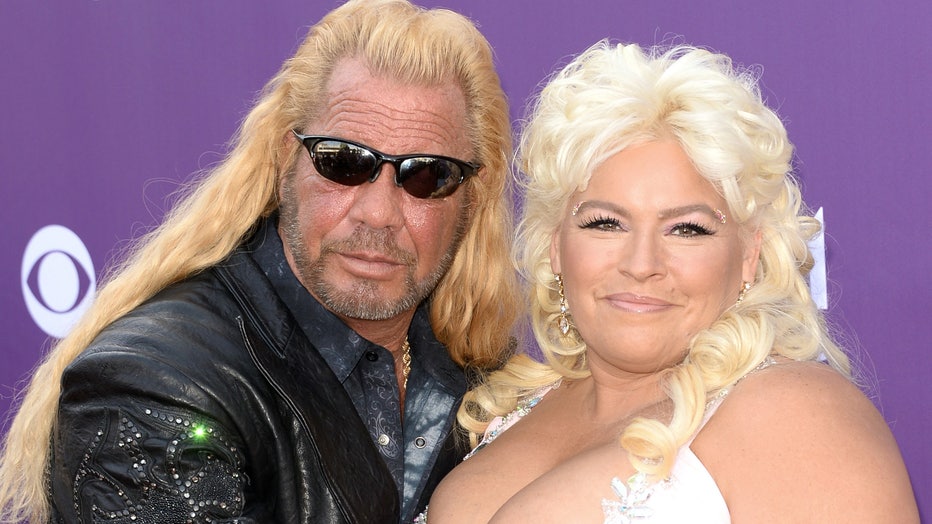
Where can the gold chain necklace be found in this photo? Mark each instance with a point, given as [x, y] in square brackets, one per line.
[405, 361]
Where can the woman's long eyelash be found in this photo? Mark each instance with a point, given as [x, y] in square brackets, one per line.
[695, 227]
[598, 221]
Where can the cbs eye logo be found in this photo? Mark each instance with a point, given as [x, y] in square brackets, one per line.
[57, 278]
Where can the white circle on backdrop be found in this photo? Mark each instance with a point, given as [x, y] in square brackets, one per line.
[53, 260]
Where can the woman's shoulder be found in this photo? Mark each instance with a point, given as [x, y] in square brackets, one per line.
[797, 404]
[802, 431]
[795, 385]
[501, 423]
[806, 400]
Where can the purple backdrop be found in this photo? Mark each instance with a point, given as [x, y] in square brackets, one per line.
[107, 106]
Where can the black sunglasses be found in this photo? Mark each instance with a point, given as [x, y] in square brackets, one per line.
[351, 164]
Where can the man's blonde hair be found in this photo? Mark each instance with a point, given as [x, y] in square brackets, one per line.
[472, 308]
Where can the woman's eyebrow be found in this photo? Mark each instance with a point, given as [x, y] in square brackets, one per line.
[601, 204]
[685, 210]
[662, 214]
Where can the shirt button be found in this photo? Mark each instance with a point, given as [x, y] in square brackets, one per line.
[420, 442]
[372, 356]
[383, 439]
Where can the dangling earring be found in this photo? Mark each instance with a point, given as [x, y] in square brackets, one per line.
[744, 291]
[563, 321]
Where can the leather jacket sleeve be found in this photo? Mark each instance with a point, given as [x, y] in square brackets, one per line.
[138, 442]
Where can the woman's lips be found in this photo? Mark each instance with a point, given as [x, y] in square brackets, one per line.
[638, 303]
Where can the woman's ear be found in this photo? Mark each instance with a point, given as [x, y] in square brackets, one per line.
[555, 252]
[751, 257]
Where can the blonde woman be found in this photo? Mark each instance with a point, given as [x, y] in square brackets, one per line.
[688, 375]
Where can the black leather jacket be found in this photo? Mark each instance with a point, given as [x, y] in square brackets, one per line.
[208, 404]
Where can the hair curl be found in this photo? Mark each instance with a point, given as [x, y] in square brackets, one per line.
[472, 308]
[612, 97]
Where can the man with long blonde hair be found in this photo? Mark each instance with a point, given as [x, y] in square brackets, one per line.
[290, 344]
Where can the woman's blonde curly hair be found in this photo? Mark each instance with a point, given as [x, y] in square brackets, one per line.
[612, 97]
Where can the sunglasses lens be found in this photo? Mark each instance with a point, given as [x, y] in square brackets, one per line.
[426, 177]
[350, 164]
[343, 163]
